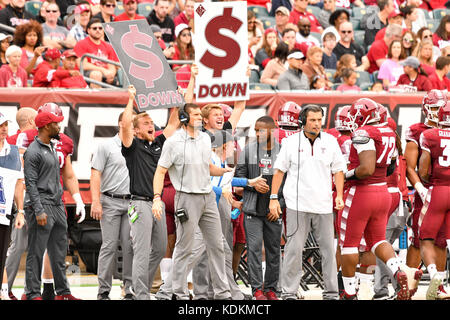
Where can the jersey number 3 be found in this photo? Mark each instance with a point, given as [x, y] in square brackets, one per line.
[444, 160]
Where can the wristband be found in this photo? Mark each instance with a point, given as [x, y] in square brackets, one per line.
[273, 197]
[21, 211]
[419, 187]
[350, 175]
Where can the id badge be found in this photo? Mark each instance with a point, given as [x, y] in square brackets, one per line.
[132, 213]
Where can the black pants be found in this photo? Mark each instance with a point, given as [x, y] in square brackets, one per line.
[5, 233]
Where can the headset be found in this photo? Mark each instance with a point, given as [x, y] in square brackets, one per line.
[183, 116]
[303, 114]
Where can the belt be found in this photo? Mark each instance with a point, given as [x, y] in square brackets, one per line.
[117, 196]
[141, 198]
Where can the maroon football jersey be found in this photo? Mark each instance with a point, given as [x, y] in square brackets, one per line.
[280, 133]
[437, 143]
[384, 142]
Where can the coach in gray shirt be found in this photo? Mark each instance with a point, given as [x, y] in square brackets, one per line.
[110, 190]
[187, 157]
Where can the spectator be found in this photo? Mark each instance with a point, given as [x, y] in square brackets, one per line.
[29, 37]
[329, 6]
[95, 69]
[187, 15]
[329, 59]
[421, 20]
[394, 18]
[12, 75]
[414, 75]
[445, 52]
[426, 34]
[280, 3]
[175, 8]
[390, 69]
[42, 13]
[5, 40]
[289, 38]
[439, 79]
[441, 36]
[291, 78]
[82, 16]
[95, 6]
[68, 75]
[345, 4]
[346, 61]
[349, 76]
[373, 22]
[424, 52]
[299, 11]
[318, 84]
[378, 51]
[184, 49]
[281, 20]
[304, 33]
[377, 87]
[56, 36]
[106, 13]
[338, 17]
[410, 16]
[347, 45]
[46, 70]
[14, 14]
[275, 67]
[159, 16]
[255, 31]
[312, 66]
[168, 51]
[266, 52]
[409, 42]
[130, 12]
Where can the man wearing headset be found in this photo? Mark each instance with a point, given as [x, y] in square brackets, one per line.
[310, 159]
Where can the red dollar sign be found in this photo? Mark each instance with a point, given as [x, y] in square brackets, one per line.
[154, 69]
[229, 45]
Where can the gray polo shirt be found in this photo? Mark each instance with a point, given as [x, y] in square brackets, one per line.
[188, 161]
[108, 159]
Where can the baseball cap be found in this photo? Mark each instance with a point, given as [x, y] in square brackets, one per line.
[45, 118]
[126, 1]
[68, 53]
[52, 54]
[5, 36]
[411, 61]
[180, 28]
[3, 119]
[283, 10]
[296, 55]
[220, 137]
[82, 8]
[394, 13]
[155, 28]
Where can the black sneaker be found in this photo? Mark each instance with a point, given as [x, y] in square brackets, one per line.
[129, 296]
[103, 296]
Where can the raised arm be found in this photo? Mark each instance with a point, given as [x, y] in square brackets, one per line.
[126, 129]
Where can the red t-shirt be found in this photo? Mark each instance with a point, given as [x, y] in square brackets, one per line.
[124, 17]
[295, 16]
[181, 18]
[68, 81]
[103, 50]
[422, 83]
[378, 50]
[436, 83]
[10, 79]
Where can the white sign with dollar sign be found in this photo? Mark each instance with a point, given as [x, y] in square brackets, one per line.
[221, 51]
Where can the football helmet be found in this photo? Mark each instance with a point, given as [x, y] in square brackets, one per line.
[288, 114]
[52, 108]
[383, 113]
[432, 102]
[444, 115]
[363, 111]
[341, 119]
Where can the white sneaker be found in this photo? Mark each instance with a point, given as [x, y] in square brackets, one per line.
[414, 275]
[442, 294]
[365, 291]
[432, 292]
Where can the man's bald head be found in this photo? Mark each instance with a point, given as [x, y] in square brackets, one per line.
[25, 118]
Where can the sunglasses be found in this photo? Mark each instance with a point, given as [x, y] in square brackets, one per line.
[346, 31]
[158, 37]
[186, 34]
[427, 36]
[408, 40]
[97, 28]
[110, 5]
[53, 11]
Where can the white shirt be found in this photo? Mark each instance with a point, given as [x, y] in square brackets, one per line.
[318, 162]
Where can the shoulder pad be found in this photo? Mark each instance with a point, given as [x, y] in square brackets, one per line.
[360, 137]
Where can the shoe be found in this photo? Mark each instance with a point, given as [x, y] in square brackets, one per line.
[247, 296]
[66, 297]
[37, 298]
[381, 297]
[48, 295]
[402, 282]
[345, 296]
[442, 294]
[24, 297]
[365, 291]
[11, 296]
[300, 295]
[128, 296]
[259, 295]
[433, 287]
[270, 295]
[103, 296]
[414, 275]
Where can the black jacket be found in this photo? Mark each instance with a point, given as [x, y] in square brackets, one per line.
[12, 17]
[167, 26]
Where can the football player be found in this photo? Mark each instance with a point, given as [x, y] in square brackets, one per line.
[287, 120]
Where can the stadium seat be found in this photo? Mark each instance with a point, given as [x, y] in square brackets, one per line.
[336, 85]
[359, 38]
[259, 11]
[365, 86]
[375, 75]
[144, 8]
[330, 74]
[254, 76]
[33, 7]
[358, 12]
[314, 10]
[363, 77]
[356, 24]
[260, 86]
[440, 13]
[119, 8]
[432, 24]
[268, 22]
[428, 14]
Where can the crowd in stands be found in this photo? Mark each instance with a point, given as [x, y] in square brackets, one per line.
[343, 45]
